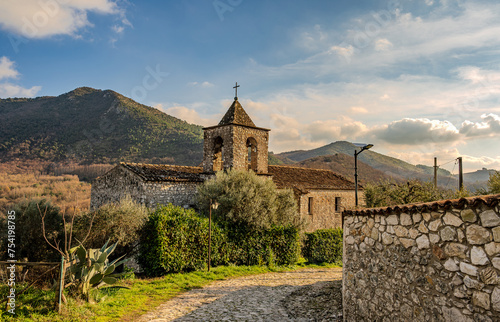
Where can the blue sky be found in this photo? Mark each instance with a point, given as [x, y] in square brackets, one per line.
[417, 79]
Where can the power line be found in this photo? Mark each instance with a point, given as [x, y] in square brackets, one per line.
[449, 178]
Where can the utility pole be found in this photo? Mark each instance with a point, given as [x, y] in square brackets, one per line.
[460, 174]
[435, 172]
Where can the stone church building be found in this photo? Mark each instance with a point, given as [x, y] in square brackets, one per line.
[236, 142]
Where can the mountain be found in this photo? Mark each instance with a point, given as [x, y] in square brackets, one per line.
[94, 125]
[344, 164]
[388, 166]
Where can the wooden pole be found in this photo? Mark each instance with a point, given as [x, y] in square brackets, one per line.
[435, 172]
[209, 234]
[460, 174]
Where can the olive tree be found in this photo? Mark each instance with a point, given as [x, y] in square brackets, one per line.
[245, 198]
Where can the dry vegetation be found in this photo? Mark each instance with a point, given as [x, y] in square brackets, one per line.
[19, 182]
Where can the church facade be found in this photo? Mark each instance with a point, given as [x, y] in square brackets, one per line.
[237, 143]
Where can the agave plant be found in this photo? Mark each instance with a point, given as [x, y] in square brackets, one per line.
[91, 269]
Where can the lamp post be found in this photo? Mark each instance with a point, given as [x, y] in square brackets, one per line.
[363, 148]
[213, 205]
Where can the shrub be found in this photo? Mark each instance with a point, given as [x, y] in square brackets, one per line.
[30, 243]
[247, 199]
[256, 247]
[176, 240]
[117, 222]
[324, 246]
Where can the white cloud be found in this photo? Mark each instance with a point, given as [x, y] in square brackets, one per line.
[7, 68]
[417, 131]
[383, 44]
[202, 84]
[187, 114]
[40, 19]
[118, 29]
[7, 89]
[490, 126]
[11, 90]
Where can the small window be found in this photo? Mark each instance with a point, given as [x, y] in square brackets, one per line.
[337, 204]
[310, 206]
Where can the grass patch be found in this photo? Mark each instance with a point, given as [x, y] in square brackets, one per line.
[127, 304]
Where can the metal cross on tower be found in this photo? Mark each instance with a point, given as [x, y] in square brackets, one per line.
[236, 91]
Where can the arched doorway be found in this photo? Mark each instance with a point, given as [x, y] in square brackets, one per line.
[252, 153]
[218, 159]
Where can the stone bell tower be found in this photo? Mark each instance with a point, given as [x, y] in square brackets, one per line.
[235, 143]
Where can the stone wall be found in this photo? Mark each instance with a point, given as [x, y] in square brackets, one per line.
[323, 214]
[119, 182]
[428, 262]
[235, 150]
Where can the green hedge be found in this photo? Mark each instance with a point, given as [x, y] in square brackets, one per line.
[324, 246]
[276, 245]
[174, 239]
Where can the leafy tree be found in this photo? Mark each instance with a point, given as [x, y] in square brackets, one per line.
[119, 222]
[390, 194]
[494, 183]
[246, 199]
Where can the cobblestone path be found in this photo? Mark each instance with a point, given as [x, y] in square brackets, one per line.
[303, 295]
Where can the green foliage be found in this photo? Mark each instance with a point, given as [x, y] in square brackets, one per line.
[257, 247]
[91, 268]
[494, 183]
[324, 246]
[95, 123]
[390, 194]
[30, 243]
[247, 199]
[176, 240]
[118, 222]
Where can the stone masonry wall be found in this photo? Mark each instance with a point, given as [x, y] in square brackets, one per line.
[428, 262]
[323, 214]
[235, 151]
[120, 182]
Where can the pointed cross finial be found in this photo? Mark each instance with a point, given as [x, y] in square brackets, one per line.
[236, 91]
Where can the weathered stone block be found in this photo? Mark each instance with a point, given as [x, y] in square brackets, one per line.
[386, 239]
[417, 217]
[478, 256]
[468, 269]
[350, 240]
[434, 225]
[422, 228]
[407, 242]
[450, 265]
[438, 252]
[492, 248]
[468, 215]
[496, 234]
[488, 276]
[452, 220]
[434, 238]
[481, 299]
[405, 220]
[496, 262]
[495, 299]
[392, 220]
[413, 233]
[426, 216]
[473, 283]
[448, 234]
[455, 250]
[401, 231]
[489, 218]
[477, 235]
[422, 242]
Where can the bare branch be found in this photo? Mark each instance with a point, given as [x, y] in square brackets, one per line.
[90, 227]
[43, 229]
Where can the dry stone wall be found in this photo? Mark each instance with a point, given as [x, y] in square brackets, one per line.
[429, 262]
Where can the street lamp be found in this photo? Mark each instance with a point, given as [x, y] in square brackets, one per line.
[213, 205]
[363, 147]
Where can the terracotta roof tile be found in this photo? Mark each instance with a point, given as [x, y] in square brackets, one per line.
[236, 115]
[165, 172]
[488, 200]
[307, 178]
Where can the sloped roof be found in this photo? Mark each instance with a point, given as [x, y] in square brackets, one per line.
[306, 178]
[236, 115]
[165, 172]
[488, 200]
